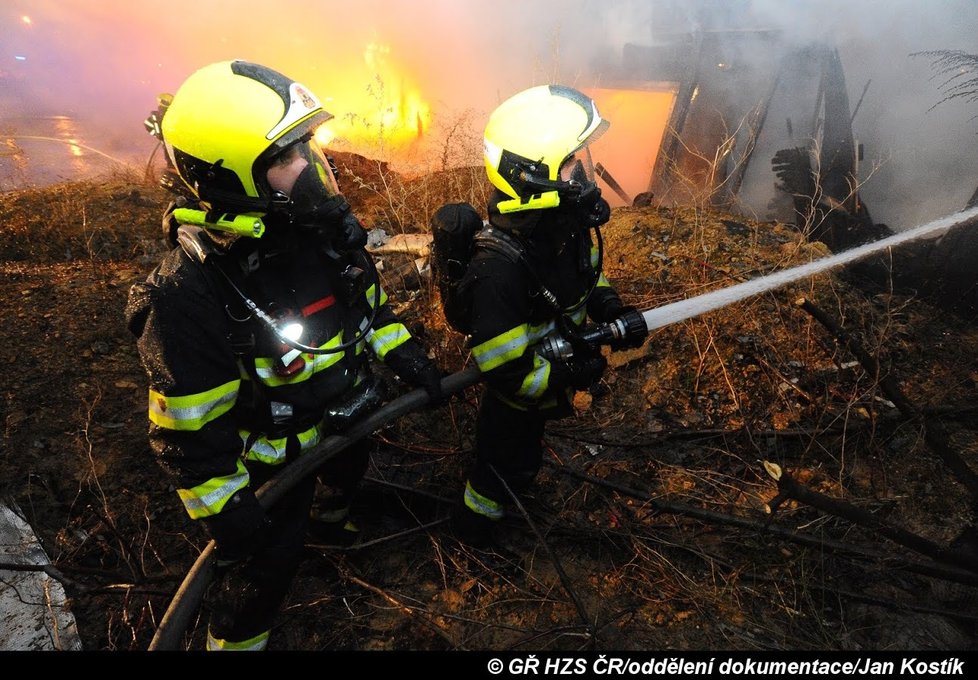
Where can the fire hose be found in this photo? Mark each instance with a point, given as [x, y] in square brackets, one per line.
[189, 595]
[191, 591]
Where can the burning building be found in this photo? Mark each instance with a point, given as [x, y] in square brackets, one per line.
[719, 111]
[738, 119]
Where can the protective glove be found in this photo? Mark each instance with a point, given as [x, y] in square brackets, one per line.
[331, 221]
[600, 211]
[169, 223]
[587, 209]
[240, 529]
[428, 376]
[579, 373]
[418, 371]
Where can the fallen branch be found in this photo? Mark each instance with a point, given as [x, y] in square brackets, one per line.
[48, 569]
[966, 577]
[395, 536]
[408, 610]
[79, 589]
[934, 433]
[790, 488]
[847, 595]
[644, 439]
[713, 561]
[564, 579]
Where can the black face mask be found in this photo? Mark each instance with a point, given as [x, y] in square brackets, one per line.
[328, 216]
[588, 208]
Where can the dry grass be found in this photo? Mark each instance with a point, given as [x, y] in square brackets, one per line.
[664, 545]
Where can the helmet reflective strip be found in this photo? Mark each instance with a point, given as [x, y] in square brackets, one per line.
[493, 152]
[191, 412]
[209, 498]
[482, 505]
[302, 103]
[391, 336]
[594, 119]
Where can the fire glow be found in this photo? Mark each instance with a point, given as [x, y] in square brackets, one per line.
[628, 150]
[384, 111]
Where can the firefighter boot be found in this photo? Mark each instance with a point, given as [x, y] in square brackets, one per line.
[475, 518]
[330, 524]
[471, 528]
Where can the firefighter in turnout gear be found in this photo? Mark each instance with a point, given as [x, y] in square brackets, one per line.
[258, 331]
[546, 206]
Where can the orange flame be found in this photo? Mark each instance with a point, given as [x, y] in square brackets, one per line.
[386, 111]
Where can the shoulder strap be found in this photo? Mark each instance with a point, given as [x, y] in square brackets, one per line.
[199, 247]
[498, 241]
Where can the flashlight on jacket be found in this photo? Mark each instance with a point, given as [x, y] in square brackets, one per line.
[628, 325]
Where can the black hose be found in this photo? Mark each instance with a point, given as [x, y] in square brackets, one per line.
[189, 595]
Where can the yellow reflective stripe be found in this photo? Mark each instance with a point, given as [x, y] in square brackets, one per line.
[370, 296]
[265, 366]
[391, 336]
[309, 438]
[255, 644]
[209, 498]
[536, 333]
[502, 348]
[602, 281]
[579, 316]
[192, 411]
[263, 449]
[272, 451]
[481, 505]
[536, 381]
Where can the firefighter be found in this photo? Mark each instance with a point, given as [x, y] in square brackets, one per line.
[545, 203]
[258, 331]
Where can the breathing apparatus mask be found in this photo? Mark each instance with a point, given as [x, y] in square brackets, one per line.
[303, 188]
[582, 197]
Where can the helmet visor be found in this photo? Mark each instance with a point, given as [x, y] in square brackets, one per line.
[578, 168]
[303, 159]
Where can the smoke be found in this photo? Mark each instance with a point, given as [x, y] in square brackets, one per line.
[104, 63]
[919, 158]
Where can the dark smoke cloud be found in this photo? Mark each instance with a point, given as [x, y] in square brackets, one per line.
[104, 62]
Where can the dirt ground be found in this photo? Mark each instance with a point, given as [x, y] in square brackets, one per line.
[650, 526]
